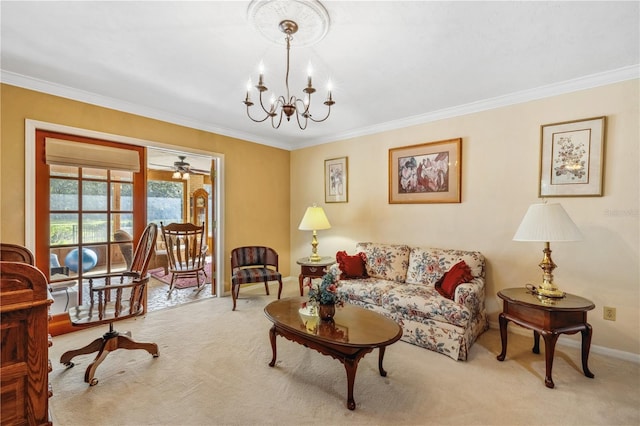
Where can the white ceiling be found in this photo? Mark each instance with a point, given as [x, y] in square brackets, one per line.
[392, 63]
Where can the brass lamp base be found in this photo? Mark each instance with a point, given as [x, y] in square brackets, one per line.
[548, 288]
[553, 292]
[315, 257]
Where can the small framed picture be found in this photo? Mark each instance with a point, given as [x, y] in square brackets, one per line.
[572, 158]
[426, 173]
[336, 180]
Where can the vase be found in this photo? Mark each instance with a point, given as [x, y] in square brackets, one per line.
[327, 312]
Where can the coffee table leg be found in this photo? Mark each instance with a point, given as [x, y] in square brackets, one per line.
[351, 366]
[503, 336]
[272, 338]
[383, 373]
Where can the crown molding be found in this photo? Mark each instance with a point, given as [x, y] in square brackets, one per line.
[582, 83]
[587, 82]
[55, 89]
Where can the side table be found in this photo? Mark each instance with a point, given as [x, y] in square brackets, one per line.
[547, 317]
[312, 270]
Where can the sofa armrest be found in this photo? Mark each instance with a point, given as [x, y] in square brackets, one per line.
[471, 295]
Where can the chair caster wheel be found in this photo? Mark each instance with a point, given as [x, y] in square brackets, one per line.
[69, 364]
[93, 382]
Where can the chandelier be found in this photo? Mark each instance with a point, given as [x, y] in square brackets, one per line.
[287, 106]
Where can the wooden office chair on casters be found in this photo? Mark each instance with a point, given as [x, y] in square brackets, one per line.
[115, 297]
[186, 251]
[253, 264]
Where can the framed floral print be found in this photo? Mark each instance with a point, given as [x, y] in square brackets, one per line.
[426, 173]
[572, 158]
[336, 180]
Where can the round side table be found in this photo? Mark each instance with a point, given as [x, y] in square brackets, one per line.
[309, 269]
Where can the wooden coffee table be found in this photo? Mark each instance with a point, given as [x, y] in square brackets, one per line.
[354, 333]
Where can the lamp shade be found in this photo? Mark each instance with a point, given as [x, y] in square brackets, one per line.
[547, 222]
[314, 219]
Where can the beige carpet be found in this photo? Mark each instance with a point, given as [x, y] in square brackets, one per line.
[213, 370]
[158, 296]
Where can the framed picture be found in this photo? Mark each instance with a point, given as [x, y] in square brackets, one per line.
[426, 173]
[572, 158]
[336, 180]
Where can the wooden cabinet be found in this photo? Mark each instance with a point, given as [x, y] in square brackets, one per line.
[24, 362]
[200, 209]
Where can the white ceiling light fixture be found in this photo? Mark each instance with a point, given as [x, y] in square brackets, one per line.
[291, 16]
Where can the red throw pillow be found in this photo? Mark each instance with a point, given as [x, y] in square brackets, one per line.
[351, 266]
[458, 274]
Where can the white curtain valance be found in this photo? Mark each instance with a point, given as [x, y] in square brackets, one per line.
[77, 154]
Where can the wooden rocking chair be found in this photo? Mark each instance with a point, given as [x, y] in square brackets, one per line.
[115, 297]
[186, 252]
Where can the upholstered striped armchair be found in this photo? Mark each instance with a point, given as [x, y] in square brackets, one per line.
[253, 264]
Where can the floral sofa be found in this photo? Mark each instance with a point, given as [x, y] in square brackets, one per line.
[401, 282]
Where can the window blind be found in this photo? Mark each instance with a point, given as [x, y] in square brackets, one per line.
[77, 154]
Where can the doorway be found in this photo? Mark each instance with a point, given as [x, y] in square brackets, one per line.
[216, 160]
[180, 189]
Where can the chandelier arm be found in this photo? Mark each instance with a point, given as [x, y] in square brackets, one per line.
[304, 108]
[323, 119]
[253, 119]
[279, 121]
[263, 108]
[306, 121]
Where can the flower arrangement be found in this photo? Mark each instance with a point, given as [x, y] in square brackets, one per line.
[326, 292]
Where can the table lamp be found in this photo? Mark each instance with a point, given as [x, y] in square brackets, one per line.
[546, 223]
[314, 219]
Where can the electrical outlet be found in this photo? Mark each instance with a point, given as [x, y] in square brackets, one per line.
[609, 313]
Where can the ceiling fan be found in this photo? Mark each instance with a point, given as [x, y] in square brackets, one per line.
[182, 169]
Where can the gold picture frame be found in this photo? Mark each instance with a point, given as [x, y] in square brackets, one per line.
[572, 158]
[426, 173]
[336, 180]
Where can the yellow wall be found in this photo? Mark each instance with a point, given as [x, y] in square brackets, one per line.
[499, 181]
[501, 150]
[256, 204]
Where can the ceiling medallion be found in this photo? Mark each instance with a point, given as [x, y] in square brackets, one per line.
[311, 17]
[291, 16]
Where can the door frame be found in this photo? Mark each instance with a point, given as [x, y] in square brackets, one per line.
[30, 183]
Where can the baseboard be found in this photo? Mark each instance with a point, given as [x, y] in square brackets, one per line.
[602, 350]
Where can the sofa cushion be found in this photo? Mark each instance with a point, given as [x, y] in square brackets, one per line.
[458, 274]
[386, 261]
[364, 291]
[418, 302]
[428, 265]
[351, 266]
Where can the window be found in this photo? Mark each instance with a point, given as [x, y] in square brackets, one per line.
[87, 219]
[165, 201]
